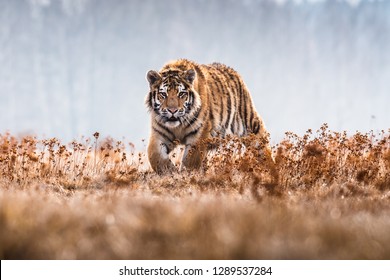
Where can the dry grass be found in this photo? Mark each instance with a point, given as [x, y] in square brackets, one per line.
[326, 197]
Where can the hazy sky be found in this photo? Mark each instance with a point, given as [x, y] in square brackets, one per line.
[73, 67]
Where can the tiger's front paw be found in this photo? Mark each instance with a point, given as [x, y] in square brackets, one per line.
[162, 166]
[192, 159]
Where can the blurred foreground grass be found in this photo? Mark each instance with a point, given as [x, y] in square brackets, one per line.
[326, 197]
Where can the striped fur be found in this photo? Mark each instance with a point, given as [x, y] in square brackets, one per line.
[190, 102]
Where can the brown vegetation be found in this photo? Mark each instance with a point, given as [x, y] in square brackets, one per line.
[326, 196]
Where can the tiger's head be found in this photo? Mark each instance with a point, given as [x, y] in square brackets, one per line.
[172, 96]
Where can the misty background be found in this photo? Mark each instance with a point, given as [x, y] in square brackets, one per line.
[72, 67]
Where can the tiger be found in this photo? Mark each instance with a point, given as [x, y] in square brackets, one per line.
[190, 102]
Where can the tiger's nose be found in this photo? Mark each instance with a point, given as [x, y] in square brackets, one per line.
[172, 110]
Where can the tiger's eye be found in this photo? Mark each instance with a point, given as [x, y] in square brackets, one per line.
[182, 94]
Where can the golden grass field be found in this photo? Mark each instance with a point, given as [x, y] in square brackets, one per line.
[327, 196]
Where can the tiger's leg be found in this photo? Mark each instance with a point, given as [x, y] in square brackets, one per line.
[193, 157]
[263, 146]
[263, 143]
[158, 154]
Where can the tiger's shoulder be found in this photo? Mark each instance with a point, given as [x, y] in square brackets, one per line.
[201, 69]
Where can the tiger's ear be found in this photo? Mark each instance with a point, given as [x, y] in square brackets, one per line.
[153, 77]
[190, 75]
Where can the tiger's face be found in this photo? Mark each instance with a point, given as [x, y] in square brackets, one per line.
[172, 96]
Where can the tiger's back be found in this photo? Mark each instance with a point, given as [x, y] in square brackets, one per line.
[231, 106]
[191, 102]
